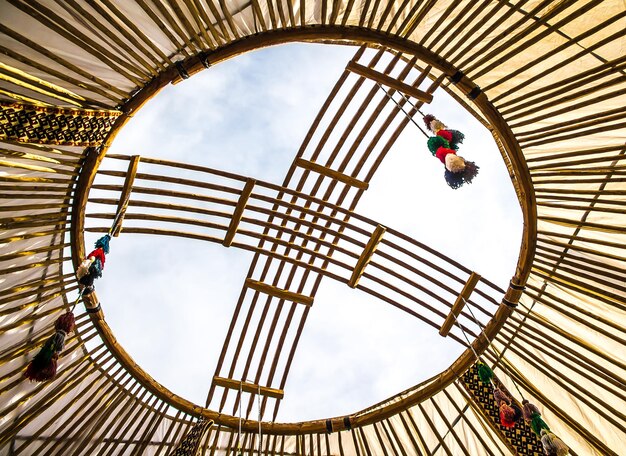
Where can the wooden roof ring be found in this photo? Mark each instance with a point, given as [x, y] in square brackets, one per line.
[324, 33]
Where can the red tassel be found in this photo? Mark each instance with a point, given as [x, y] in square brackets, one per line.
[507, 415]
[428, 118]
[98, 254]
[65, 323]
[442, 152]
[445, 134]
[43, 367]
[41, 372]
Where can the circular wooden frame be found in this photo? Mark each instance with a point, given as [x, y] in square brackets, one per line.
[324, 34]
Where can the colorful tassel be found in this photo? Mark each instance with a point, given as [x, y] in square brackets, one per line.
[457, 137]
[455, 164]
[518, 412]
[83, 269]
[445, 134]
[507, 415]
[95, 260]
[442, 152]
[44, 365]
[500, 396]
[445, 142]
[437, 125]
[454, 180]
[537, 424]
[528, 410]
[103, 243]
[484, 372]
[552, 445]
[435, 142]
[470, 171]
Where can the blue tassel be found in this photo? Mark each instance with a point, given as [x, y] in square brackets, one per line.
[96, 268]
[103, 243]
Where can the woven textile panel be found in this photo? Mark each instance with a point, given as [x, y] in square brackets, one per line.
[60, 126]
[190, 444]
[521, 437]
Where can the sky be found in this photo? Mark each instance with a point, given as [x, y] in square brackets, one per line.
[169, 301]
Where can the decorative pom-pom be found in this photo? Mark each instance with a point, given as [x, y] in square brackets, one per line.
[484, 373]
[103, 243]
[428, 118]
[445, 134]
[507, 415]
[528, 409]
[552, 445]
[500, 396]
[435, 142]
[454, 180]
[437, 125]
[44, 365]
[41, 369]
[457, 137]
[518, 412]
[455, 164]
[83, 269]
[537, 424]
[470, 171]
[442, 152]
[65, 323]
[96, 268]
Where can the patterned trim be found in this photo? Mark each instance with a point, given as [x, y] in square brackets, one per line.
[521, 438]
[191, 442]
[61, 126]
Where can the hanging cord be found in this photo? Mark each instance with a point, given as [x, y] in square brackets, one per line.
[466, 338]
[80, 295]
[411, 103]
[499, 355]
[521, 323]
[408, 116]
[478, 359]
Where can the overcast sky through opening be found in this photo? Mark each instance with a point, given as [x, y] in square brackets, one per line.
[169, 301]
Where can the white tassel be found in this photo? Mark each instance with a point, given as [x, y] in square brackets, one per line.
[552, 445]
[454, 164]
[83, 269]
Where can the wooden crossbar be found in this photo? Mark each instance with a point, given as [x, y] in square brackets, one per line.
[248, 387]
[389, 82]
[122, 205]
[458, 305]
[366, 255]
[312, 166]
[238, 213]
[279, 292]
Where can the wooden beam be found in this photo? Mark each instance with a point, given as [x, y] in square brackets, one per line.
[238, 213]
[390, 82]
[279, 292]
[366, 256]
[323, 170]
[458, 305]
[122, 205]
[248, 387]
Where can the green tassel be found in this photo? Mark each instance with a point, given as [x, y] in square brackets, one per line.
[484, 372]
[537, 424]
[435, 142]
[47, 351]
